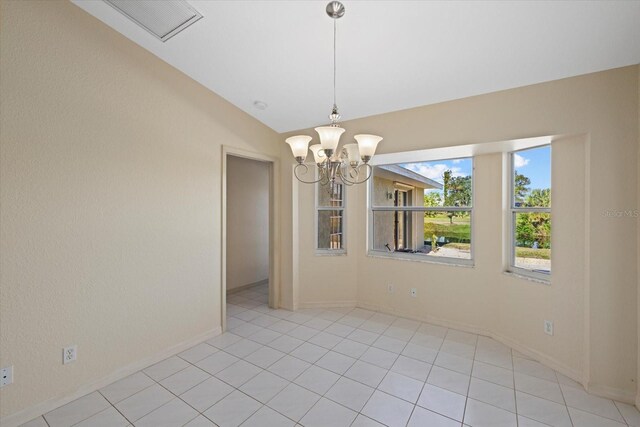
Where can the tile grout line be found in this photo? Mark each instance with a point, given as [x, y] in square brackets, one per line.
[433, 364]
[513, 379]
[302, 373]
[427, 379]
[386, 320]
[114, 406]
[342, 375]
[399, 354]
[563, 399]
[466, 400]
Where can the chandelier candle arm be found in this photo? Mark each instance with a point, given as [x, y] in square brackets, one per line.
[356, 170]
[306, 169]
[318, 154]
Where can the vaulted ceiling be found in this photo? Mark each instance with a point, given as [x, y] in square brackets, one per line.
[391, 55]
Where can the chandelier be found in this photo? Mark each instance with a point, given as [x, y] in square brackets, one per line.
[348, 164]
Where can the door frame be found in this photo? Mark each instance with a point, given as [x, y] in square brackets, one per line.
[274, 227]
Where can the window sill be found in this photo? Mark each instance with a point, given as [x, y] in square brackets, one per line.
[331, 252]
[451, 262]
[524, 276]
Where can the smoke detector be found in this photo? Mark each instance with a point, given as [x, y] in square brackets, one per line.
[260, 105]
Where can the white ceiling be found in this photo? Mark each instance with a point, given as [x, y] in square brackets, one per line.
[392, 55]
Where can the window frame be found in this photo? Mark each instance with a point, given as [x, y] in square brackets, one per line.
[377, 253]
[513, 211]
[317, 209]
[406, 220]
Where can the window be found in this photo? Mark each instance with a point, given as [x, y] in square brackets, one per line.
[330, 218]
[531, 212]
[422, 210]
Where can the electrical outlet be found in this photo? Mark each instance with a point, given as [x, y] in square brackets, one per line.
[391, 288]
[69, 354]
[6, 376]
[548, 327]
[414, 292]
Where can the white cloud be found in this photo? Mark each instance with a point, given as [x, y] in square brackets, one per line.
[519, 161]
[456, 161]
[434, 171]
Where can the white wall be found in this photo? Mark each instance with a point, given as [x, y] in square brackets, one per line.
[110, 203]
[592, 298]
[247, 221]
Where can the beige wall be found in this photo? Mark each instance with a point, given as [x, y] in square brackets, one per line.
[111, 190]
[110, 215]
[592, 299]
[247, 221]
[326, 292]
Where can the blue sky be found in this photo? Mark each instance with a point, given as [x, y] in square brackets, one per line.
[435, 169]
[534, 164]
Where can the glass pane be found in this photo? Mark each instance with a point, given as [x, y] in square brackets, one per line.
[330, 229]
[442, 182]
[533, 241]
[532, 177]
[330, 197]
[437, 234]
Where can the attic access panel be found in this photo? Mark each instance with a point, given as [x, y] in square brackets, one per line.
[164, 19]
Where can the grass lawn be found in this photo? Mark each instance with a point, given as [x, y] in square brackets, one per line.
[441, 225]
[520, 252]
[533, 253]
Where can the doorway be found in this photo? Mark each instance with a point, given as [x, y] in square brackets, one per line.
[248, 258]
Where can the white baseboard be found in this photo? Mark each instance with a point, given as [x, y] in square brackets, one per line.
[540, 357]
[429, 319]
[326, 304]
[28, 414]
[241, 288]
[598, 390]
[576, 375]
[607, 392]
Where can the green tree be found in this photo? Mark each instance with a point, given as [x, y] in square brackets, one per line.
[432, 199]
[457, 192]
[460, 191]
[539, 197]
[446, 179]
[521, 188]
[535, 227]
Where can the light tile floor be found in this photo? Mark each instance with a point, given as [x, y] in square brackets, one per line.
[341, 367]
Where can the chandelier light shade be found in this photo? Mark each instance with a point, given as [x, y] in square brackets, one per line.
[329, 137]
[299, 146]
[348, 165]
[353, 154]
[367, 145]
